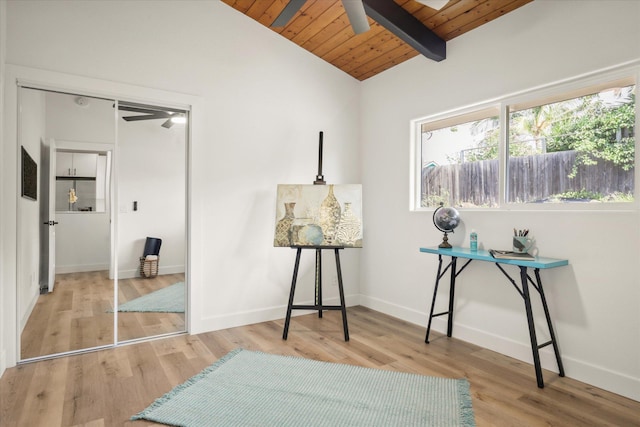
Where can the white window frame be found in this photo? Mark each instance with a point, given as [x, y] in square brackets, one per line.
[626, 73]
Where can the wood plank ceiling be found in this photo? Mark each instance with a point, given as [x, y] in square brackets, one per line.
[322, 28]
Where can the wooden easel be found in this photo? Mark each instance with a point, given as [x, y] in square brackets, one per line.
[318, 277]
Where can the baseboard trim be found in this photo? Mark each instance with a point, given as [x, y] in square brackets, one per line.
[598, 376]
[123, 274]
[27, 313]
[81, 268]
[133, 273]
[3, 362]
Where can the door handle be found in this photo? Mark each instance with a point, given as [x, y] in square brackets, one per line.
[50, 222]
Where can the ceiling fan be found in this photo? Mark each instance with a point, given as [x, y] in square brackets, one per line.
[354, 8]
[172, 117]
[355, 12]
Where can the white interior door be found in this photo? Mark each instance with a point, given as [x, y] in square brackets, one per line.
[52, 214]
[48, 216]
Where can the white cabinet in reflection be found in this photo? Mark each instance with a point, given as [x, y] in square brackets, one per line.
[76, 164]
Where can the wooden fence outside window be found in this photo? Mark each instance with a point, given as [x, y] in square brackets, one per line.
[531, 179]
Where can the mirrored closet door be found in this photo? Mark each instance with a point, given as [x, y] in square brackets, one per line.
[151, 220]
[103, 179]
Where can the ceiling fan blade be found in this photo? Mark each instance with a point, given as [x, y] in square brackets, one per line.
[287, 13]
[434, 4]
[136, 109]
[147, 117]
[138, 118]
[152, 113]
[357, 16]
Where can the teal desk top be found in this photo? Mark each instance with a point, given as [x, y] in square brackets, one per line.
[483, 255]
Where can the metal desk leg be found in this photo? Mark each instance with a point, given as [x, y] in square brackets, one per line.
[452, 290]
[342, 302]
[532, 327]
[318, 295]
[433, 301]
[554, 342]
[291, 294]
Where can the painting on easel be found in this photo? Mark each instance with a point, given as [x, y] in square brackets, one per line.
[319, 215]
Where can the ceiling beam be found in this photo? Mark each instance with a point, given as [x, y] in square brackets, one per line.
[406, 27]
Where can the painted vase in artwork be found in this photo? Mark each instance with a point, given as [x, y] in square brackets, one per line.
[309, 235]
[348, 230]
[329, 216]
[283, 227]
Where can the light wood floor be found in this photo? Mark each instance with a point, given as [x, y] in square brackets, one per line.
[105, 388]
[78, 314]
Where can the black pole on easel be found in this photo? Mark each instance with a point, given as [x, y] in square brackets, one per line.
[319, 181]
[319, 178]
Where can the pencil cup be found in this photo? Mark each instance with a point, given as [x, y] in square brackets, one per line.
[522, 244]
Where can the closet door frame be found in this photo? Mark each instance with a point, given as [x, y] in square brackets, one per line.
[17, 76]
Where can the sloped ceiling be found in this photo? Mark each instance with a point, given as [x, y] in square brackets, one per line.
[322, 28]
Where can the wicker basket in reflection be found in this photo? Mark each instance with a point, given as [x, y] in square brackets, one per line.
[149, 267]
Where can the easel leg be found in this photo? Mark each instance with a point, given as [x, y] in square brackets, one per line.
[318, 296]
[291, 294]
[548, 316]
[532, 327]
[433, 301]
[452, 291]
[342, 303]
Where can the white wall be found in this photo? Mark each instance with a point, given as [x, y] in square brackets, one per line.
[595, 302]
[261, 103]
[32, 130]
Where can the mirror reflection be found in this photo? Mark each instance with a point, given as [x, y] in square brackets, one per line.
[66, 258]
[68, 265]
[151, 221]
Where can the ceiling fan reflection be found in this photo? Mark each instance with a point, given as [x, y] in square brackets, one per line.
[171, 117]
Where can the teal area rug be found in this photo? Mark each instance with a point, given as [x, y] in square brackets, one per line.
[247, 388]
[166, 300]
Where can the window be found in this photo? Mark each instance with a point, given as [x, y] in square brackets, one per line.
[460, 160]
[580, 149]
[557, 146]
